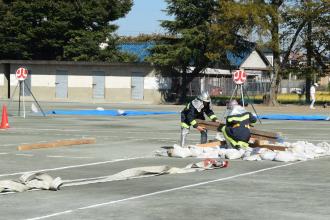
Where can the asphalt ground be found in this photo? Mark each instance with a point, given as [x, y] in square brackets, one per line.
[244, 190]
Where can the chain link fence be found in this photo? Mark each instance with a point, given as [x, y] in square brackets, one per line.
[224, 86]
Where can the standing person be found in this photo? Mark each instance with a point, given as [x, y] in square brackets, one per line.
[312, 95]
[196, 110]
[237, 129]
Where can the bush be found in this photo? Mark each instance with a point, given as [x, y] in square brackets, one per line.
[321, 99]
[222, 100]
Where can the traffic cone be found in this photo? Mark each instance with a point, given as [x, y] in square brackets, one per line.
[4, 122]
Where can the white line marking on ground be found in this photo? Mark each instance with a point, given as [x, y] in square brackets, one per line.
[59, 156]
[46, 129]
[162, 191]
[73, 166]
[5, 145]
[96, 131]
[3, 153]
[52, 215]
[25, 155]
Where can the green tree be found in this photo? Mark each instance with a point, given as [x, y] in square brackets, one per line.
[283, 24]
[312, 19]
[201, 35]
[262, 18]
[61, 30]
[189, 40]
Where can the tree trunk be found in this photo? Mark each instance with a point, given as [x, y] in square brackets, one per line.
[276, 53]
[187, 79]
[274, 87]
[308, 82]
[309, 68]
[183, 91]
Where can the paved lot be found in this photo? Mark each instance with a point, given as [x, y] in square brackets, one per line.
[245, 190]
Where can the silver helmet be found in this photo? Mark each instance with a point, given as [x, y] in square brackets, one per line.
[232, 104]
[205, 97]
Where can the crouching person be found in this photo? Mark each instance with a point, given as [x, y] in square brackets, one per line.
[196, 110]
[237, 129]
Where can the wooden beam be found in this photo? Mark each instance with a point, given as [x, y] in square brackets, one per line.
[212, 144]
[213, 126]
[261, 144]
[58, 143]
[266, 144]
[270, 147]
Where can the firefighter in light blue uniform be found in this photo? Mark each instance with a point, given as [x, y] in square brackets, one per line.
[196, 110]
[237, 129]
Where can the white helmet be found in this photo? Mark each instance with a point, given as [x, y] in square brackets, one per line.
[205, 97]
[232, 104]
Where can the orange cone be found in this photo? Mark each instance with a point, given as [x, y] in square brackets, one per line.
[4, 122]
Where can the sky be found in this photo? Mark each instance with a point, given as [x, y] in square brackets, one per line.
[143, 18]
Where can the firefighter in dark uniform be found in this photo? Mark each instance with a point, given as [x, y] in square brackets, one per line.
[237, 128]
[195, 110]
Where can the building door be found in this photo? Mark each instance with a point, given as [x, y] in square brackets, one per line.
[61, 84]
[137, 86]
[98, 84]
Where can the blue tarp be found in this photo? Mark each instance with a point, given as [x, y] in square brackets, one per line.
[295, 117]
[108, 112]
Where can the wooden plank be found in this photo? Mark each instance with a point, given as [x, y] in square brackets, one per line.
[257, 137]
[213, 126]
[210, 125]
[58, 143]
[266, 144]
[270, 147]
[212, 144]
[253, 145]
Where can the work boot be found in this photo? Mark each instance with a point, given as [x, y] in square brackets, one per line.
[203, 137]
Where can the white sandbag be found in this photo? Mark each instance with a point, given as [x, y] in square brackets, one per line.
[286, 144]
[195, 151]
[100, 109]
[247, 154]
[285, 156]
[209, 154]
[323, 144]
[181, 152]
[12, 186]
[258, 150]
[222, 152]
[268, 155]
[326, 147]
[309, 152]
[298, 148]
[252, 157]
[162, 153]
[300, 156]
[233, 154]
[319, 150]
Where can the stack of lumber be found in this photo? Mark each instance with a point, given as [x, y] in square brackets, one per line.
[262, 139]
